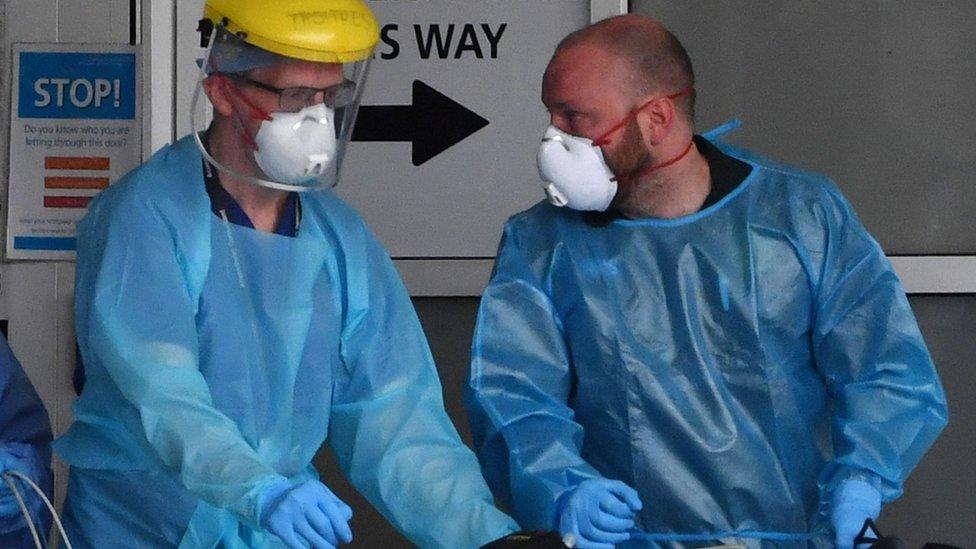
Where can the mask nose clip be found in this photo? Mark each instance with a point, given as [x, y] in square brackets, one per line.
[308, 118]
[557, 139]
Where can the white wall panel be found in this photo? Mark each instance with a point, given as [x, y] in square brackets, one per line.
[158, 28]
[31, 21]
[602, 9]
[937, 274]
[104, 21]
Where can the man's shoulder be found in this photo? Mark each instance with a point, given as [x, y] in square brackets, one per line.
[791, 198]
[168, 176]
[785, 184]
[334, 213]
[542, 218]
[165, 192]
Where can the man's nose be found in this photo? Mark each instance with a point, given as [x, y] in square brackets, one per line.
[560, 122]
[315, 99]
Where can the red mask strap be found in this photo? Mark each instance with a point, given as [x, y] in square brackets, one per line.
[247, 137]
[651, 169]
[255, 112]
[605, 138]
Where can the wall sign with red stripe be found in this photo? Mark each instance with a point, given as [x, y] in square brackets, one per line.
[76, 128]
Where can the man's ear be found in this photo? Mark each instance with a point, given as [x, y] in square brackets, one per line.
[655, 120]
[217, 88]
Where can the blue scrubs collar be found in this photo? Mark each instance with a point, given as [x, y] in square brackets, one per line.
[222, 201]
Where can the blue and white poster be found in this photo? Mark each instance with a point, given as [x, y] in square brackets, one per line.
[76, 128]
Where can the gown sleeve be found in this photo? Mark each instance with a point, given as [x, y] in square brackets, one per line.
[521, 377]
[889, 405]
[388, 427]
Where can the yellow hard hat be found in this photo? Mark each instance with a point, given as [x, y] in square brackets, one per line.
[328, 31]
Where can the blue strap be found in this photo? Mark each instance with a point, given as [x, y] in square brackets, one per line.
[715, 536]
[728, 127]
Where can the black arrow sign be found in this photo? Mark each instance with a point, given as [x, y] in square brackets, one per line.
[433, 124]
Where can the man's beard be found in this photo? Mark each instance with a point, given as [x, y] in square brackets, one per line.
[627, 159]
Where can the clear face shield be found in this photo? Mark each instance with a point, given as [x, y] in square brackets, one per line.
[292, 119]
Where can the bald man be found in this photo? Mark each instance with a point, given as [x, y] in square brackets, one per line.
[689, 345]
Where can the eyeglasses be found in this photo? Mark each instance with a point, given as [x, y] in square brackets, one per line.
[297, 98]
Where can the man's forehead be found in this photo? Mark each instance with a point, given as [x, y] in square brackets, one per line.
[578, 72]
[581, 59]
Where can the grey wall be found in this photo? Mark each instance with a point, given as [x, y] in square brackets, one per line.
[876, 94]
[940, 497]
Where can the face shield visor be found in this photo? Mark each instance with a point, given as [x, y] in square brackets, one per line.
[288, 137]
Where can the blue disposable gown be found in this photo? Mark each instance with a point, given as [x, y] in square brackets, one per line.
[25, 434]
[219, 358]
[733, 366]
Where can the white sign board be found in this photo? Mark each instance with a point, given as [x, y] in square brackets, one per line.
[444, 149]
[467, 166]
[75, 128]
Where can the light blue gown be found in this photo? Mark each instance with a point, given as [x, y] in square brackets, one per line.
[219, 359]
[733, 365]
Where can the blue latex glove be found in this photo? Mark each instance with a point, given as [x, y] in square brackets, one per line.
[854, 501]
[306, 515]
[598, 513]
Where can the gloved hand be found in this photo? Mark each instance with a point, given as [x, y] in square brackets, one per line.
[598, 513]
[853, 502]
[307, 514]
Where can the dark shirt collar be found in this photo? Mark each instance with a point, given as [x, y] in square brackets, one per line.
[726, 172]
[223, 205]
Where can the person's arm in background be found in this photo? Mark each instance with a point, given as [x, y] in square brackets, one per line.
[889, 405]
[525, 434]
[389, 430]
[25, 447]
[136, 315]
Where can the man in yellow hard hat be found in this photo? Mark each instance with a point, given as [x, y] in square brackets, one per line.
[231, 320]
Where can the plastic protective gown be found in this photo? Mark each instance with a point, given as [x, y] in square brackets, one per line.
[25, 433]
[219, 358]
[733, 366]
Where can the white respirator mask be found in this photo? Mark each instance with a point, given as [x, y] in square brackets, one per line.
[574, 173]
[297, 147]
[295, 141]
